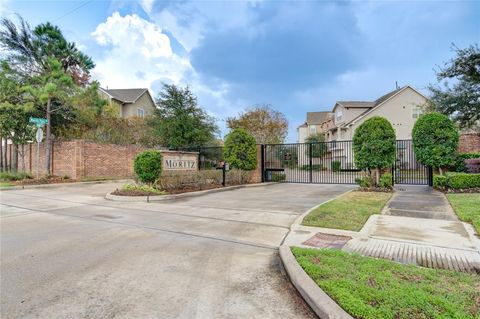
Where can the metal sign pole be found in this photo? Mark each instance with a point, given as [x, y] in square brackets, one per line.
[38, 157]
[39, 137]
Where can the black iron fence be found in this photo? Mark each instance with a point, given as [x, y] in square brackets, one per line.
[333, 163]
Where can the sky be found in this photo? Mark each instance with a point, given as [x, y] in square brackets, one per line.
[297, 56]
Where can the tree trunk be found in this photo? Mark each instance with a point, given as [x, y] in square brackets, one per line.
[1, 154]
[14, 157]
[47, 139]
[21, 152]
[440, 171]
[5, 154]
[377, 176]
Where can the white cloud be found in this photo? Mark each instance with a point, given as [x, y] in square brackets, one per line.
[136, 53]
[147, 5]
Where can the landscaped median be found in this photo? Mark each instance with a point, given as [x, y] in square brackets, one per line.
[349, 211]
[367, 287]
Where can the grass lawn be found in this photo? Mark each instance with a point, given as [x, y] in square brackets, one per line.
[373, 288]
[6, 184]
[467, 207]
[348, 212]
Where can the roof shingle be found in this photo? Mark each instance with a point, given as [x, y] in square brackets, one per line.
[126, 95]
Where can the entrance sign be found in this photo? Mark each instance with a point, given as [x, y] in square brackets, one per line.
[175, 161]
[39, 122]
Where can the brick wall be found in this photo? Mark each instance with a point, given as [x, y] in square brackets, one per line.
[257, 173]
[469, 143]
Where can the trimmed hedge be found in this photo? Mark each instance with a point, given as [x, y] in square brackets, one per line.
[457, 181]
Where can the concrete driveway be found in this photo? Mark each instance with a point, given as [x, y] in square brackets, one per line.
[66, 252]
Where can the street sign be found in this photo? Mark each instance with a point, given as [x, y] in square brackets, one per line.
[39, 122]
[39, 135]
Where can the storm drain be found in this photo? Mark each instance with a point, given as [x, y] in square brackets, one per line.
[321, 240]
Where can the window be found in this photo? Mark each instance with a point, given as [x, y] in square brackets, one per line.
[140, 112]
[313, 129]
[416, 112]
[338, 115]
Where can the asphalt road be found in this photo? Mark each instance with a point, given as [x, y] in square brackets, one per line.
[66, 252]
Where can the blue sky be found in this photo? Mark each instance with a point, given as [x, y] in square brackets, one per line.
[298, 56]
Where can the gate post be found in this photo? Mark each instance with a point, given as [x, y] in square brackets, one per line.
[430, 176]
[310, 162]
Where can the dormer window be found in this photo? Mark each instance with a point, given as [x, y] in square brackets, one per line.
[338, 115]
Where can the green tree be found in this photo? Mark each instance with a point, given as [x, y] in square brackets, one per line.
[267, 125]
[435, 140]
[318, 148]
[374, 145]
[240, 150]
[53, 91]
[461, 101]
[179, 122]
[30, 51]
[15, 111]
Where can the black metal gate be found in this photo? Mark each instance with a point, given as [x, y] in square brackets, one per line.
[407, 170]
[333, 163]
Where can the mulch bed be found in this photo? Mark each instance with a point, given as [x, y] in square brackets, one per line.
[133, 192]
[374, 189]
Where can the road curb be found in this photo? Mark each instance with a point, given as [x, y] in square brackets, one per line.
[64, 184]
[160, 198]
[317, 299]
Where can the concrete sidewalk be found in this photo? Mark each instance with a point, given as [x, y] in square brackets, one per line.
[418, 226]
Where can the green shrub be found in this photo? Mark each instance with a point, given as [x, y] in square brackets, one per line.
[385, 181]
[440, 181]
[14, 176]
[336, 165]
[374, 144]
[240, 150]
[143, 188]
[435, 140]
[365, 182]
[148, 166]
[460, 161]
[278, 177]
[462, 180]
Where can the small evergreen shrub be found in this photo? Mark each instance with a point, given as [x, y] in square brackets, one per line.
[14, 176]
[365, 182]
[439, 181]
[462, 180]
[336, 165]
[148, 166]
[278, 177]
[240, 150]
[385, 181]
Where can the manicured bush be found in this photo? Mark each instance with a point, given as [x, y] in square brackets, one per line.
[148, 166]
[462, 180]
[278, 177]
[374, 145]
[240, 150]
[385, 181]
[440, 181]
[435, 140]
[365, 182]
[336, 165]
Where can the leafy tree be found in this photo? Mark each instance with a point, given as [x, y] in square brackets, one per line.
[30, 51]
[240, 150]
[374, 145]
[267, 125]
[53, 90]
[179, 122]
[318, 145]
[462, 100]
[435, 140]
[15, 111]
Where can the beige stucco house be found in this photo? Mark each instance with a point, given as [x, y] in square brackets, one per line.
[317, 122]
[130, 102]
[401, 107]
